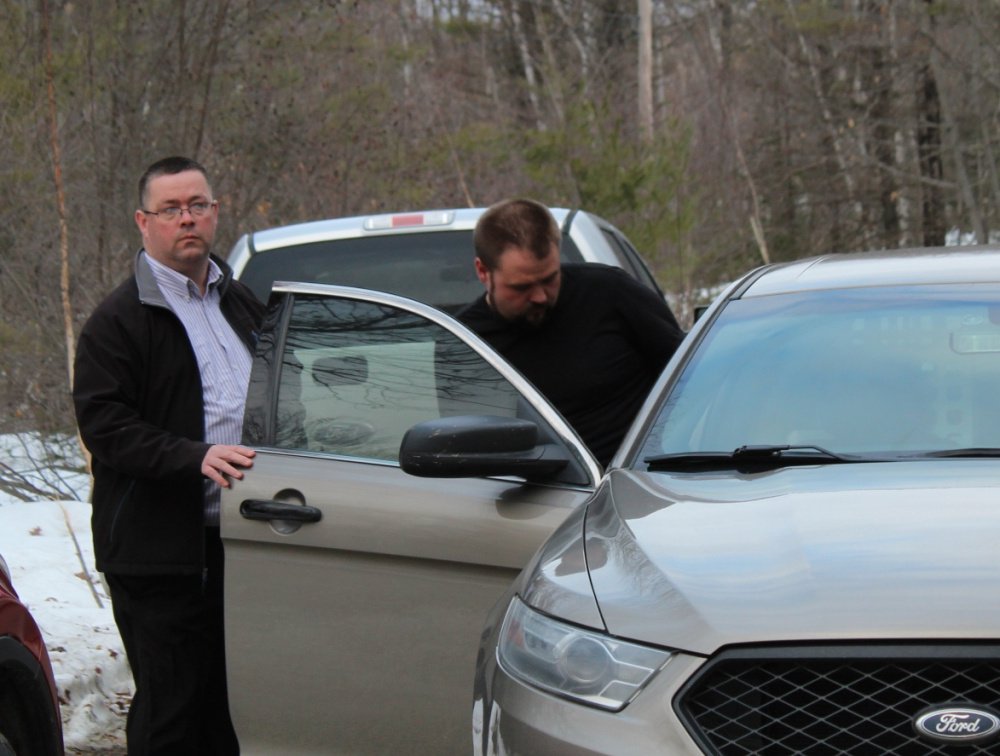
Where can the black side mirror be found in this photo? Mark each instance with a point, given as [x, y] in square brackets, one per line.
[469, 446]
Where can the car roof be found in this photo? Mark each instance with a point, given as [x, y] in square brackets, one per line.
[907, 267]
[383, 224]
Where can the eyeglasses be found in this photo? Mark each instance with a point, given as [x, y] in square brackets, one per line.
[196, 209]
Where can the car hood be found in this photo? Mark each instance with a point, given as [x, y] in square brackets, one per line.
[901, 550]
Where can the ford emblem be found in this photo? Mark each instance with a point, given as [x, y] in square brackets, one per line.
[960, 723]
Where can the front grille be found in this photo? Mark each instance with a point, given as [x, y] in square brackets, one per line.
[834, 699]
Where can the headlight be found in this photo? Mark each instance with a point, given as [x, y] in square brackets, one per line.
[581, 664]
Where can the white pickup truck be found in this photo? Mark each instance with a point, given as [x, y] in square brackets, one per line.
[424, 255]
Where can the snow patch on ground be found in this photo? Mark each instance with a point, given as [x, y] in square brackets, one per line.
[47, 546]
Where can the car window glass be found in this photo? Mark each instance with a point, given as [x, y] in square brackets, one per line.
[355, 375]
[862, 371]
[618, 252]
[568, 251]
[435, 268]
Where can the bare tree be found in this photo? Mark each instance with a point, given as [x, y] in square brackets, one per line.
[750, 131]
[60, 192]
[645, 69]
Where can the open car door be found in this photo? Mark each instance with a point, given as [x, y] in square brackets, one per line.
[355, 592]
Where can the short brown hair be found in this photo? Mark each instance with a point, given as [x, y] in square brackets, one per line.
[167, 167]
[520, 223]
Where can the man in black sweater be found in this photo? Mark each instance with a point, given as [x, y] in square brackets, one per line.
[590, 337]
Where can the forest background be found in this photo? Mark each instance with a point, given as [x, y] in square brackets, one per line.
[717, 135]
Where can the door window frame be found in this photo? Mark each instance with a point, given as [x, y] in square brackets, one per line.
[260, 421]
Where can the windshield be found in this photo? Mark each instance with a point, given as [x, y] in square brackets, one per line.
[876, 371]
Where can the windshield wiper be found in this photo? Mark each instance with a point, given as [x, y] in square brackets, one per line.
[985, 452]
[751, 457]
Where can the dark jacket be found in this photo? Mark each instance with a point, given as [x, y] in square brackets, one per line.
[139, 406]
[596, 355]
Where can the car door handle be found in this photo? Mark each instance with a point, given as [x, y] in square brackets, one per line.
[269, 509]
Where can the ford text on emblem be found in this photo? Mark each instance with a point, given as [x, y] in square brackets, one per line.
[957, 724]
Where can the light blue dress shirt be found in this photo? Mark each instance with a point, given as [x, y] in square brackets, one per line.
[223, 359]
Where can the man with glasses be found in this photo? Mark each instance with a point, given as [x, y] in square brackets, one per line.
[161, 372]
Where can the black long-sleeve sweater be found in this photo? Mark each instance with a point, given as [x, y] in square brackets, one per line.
[597, 353]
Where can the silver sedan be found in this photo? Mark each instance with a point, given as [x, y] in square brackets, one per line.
[796, 550]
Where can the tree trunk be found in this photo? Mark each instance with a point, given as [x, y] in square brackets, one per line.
[581, 48]
[64, 278]
[953, 144]
[646, 70]
[521, 38]
[839, 149]
[929, 152]
[53, 123]
[884, 145]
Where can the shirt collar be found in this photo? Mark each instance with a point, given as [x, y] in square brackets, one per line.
[176, 283]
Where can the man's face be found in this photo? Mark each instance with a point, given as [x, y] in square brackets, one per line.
[181, 243]
[522, 288]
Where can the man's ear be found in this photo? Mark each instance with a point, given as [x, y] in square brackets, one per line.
[482, 272]
[141, 219]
